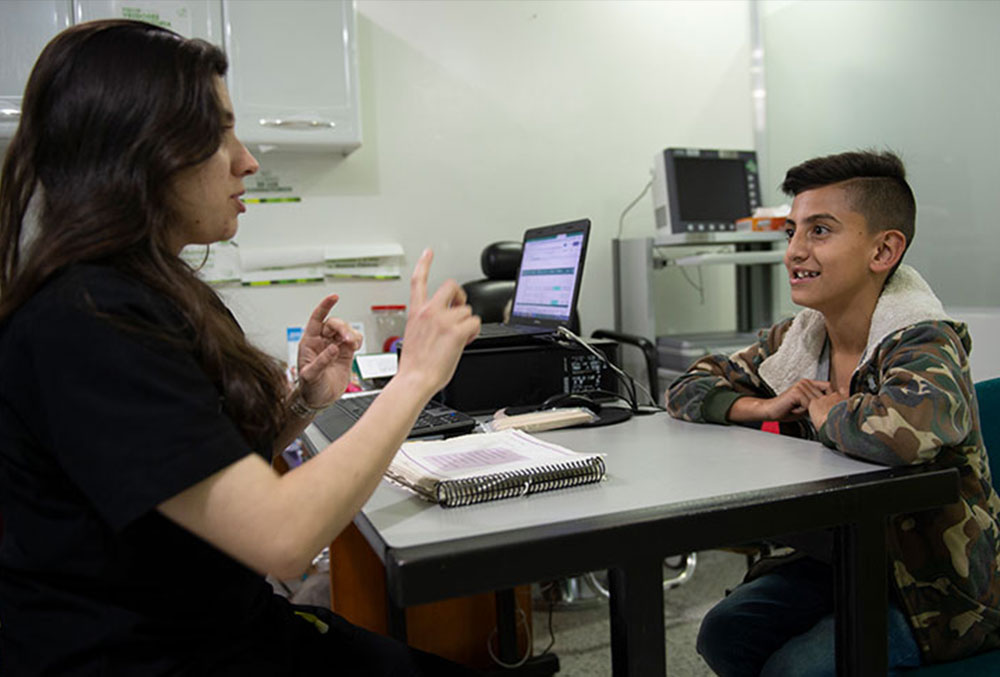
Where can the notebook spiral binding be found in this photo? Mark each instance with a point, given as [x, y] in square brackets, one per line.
[466, 491]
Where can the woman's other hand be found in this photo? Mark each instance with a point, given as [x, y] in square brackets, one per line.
[326, 353]
[437, 329]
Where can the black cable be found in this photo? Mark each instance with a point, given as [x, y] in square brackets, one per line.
[552, 634]
[633, 203]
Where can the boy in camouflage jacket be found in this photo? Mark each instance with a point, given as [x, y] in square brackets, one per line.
[874, 368]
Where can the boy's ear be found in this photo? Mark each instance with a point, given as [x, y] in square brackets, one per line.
[890, 246]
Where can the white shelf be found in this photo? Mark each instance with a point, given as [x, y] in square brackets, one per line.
[664, 239]
[737, 258]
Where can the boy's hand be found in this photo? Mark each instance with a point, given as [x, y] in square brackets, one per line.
[820, 407]
[793, 404]
[790, 405]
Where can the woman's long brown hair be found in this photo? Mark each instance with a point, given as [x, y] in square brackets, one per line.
[112, 111]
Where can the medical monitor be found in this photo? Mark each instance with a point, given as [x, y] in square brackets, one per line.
[703, 191]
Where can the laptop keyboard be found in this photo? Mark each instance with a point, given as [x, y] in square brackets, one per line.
[491, 334]
[491, 330]
[434, 419]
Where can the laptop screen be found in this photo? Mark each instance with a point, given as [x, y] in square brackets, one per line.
[548, 280]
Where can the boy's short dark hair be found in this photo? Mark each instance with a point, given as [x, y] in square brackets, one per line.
[875, 182]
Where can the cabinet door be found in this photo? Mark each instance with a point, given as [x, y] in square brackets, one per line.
[191, 18]
[293, 73]
[26, 26]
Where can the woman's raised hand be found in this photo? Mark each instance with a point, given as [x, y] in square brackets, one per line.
[326, 352]
[437, 329]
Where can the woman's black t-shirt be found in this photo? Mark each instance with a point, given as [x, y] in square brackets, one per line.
[99, 424]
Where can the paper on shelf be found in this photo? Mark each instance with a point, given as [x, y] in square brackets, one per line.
[375, 271]
[264, 258]
[285, 265]
[221, 265]
[377, 261]
[362, 251]
[377, 365]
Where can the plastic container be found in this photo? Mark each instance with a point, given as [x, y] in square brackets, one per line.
[390, 322]
[677, 352]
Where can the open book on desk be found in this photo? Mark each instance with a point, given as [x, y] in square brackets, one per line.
[489, 466]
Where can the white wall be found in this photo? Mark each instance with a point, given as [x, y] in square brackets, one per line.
[917, 77]
[482, 118]
[984, 327]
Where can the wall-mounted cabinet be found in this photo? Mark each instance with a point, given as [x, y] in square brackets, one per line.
[293, 67]
[293, 74]
[191, 18]
[26, 26]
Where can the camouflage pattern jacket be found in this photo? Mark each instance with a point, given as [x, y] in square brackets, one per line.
[912, 400]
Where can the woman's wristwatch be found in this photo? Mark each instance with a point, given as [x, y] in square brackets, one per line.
[298, 405]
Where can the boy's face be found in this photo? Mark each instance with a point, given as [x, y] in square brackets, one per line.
[829, 252]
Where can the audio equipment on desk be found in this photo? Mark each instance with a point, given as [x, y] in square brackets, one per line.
[491, 378]
[627, 381]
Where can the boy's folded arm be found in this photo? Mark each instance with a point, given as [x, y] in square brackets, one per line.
[717, 404]
[705, 393]
[922, 405]
[687, 395]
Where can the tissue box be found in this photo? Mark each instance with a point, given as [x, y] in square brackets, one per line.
[761, 223]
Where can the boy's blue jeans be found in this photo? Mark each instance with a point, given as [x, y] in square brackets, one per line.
[782, 624]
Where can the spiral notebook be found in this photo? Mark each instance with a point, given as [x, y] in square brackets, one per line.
[489, 466]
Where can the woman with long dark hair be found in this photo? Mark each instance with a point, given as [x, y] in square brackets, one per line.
[136, 421]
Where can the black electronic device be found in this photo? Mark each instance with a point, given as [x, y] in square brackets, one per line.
[491, 378]
[702, 190]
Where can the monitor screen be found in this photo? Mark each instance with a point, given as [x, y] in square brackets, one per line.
[547, 280]
[698, 190]
[711, 189]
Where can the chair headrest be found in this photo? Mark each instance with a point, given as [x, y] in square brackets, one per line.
[501, 260]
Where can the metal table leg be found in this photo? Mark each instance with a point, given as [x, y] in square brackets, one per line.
[636, 607]
[861, 595]
[396, 619]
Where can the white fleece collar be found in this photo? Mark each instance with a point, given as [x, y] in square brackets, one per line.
[906, 300]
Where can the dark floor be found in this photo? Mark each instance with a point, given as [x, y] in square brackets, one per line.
[582, 633]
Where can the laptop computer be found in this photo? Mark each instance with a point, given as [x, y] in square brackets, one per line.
[547, 286]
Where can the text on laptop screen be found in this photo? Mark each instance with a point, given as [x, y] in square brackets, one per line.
[546, 281]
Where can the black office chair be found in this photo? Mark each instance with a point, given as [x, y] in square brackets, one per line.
[489, 298]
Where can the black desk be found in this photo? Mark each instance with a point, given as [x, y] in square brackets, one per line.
[672, 487]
